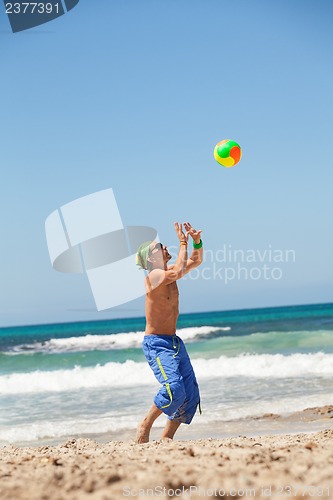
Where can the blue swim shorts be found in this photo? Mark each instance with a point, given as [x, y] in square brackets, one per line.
[179, 395]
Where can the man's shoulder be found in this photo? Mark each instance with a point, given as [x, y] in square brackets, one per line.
[154, 279]
[157, 277]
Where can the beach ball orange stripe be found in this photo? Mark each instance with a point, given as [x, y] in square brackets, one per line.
[236, 153]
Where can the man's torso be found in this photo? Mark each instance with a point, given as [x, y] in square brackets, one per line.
[162, 309]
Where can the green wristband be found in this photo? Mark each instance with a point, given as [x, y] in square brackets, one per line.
[197, 245]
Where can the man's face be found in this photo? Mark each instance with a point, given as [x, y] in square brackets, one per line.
[158, 254]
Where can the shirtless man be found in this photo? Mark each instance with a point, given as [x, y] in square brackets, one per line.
[166, 354]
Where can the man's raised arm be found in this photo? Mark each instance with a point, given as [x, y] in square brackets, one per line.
[196, 257]
[159, 277]
[181, 262]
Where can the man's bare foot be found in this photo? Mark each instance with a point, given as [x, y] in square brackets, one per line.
[142, 434]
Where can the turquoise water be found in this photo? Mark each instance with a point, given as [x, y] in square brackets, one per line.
[96, 379]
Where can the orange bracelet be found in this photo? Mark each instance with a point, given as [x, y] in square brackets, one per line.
[183, 242]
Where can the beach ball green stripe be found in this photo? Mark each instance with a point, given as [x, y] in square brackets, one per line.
[232, 144]
[223, 150]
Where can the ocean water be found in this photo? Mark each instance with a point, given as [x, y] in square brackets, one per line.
[91, 378]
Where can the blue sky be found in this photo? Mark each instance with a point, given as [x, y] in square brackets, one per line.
[134, 95]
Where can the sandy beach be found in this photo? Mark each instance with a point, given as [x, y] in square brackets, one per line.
[297, 465]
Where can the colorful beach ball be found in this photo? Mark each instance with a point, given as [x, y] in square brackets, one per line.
[227, 153]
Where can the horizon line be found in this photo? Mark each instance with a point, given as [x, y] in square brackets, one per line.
[180, 315]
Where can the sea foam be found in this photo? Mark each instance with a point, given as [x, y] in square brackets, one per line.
[61, 426]
[132, 373]
[107, 342]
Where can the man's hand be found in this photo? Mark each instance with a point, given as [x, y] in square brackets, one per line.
[196, 235]
[180, 233]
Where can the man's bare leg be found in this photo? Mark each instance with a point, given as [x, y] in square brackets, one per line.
[170, 429]
[142, 435]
